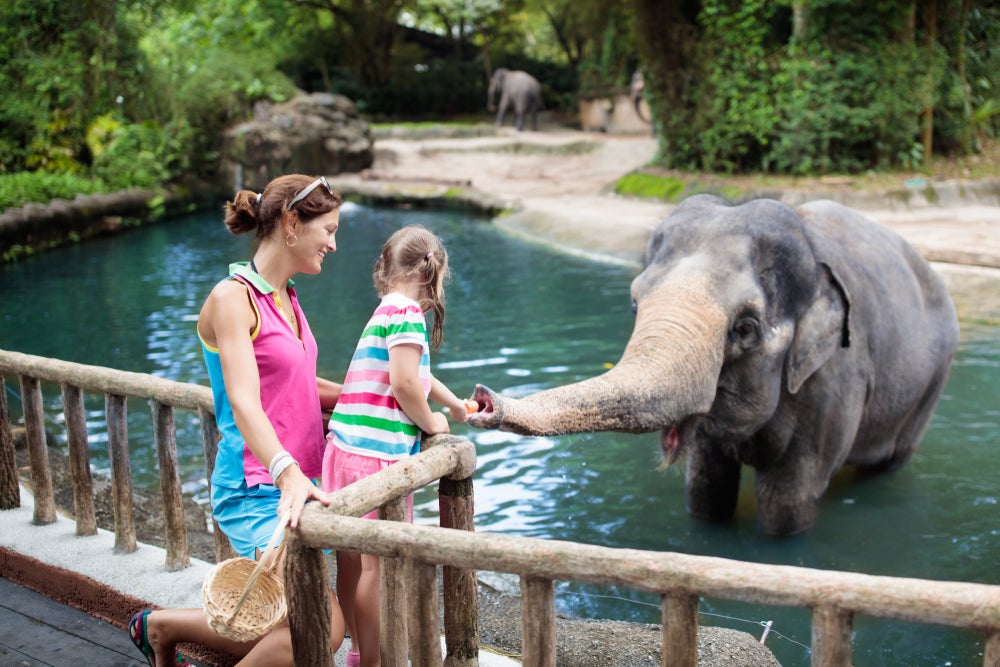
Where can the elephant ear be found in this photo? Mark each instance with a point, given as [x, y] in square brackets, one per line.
[823, 328]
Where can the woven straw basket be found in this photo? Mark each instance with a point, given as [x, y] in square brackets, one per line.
[245, 599]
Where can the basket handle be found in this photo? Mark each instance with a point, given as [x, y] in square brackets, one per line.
[261, 563]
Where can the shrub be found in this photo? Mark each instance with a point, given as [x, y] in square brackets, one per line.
[20, 188]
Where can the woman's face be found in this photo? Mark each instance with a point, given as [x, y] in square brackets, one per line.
[316, 238]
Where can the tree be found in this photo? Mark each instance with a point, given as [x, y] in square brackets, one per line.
[366, 31]
[61, 65]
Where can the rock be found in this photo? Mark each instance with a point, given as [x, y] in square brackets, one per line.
[318, 133]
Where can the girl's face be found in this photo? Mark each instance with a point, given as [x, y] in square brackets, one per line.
[316, 238]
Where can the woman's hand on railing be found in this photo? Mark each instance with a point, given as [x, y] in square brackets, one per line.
[296, 491]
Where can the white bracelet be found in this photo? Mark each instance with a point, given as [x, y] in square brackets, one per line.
[279, 464]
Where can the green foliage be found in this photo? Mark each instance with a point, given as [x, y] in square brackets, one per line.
[649, 186]
[738, 122]
[61, 64]
[21, 188]
[845, 96]
[842, 113]
[134, 155]
[609, 60]
[211, 68]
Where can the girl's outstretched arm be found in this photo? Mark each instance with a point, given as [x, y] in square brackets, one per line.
[404, 378]
[456, 406]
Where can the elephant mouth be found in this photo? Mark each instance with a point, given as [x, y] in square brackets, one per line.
[671, 441]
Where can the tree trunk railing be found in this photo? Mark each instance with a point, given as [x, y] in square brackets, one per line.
[409, 604]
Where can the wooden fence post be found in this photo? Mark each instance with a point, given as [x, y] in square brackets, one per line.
[461, 589]
[393, 633]
[165, 439]
[38, 451]
[210, 445]
[680, 629]
[424, 624]
[538, 622]
[991, 652]
[79, 460]
[307, 590]
[831, 637]
[115, 412]
[10, 489]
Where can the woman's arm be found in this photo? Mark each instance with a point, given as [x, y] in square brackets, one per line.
[329, 393]
[404, 378]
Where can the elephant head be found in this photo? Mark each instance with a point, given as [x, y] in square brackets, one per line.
[496, 86]
[741, 354]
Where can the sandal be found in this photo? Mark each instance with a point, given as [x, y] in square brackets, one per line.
[137, 631]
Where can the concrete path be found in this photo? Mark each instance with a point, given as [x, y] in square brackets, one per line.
[558, 183]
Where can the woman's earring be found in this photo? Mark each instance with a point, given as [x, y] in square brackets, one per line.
[294, 240]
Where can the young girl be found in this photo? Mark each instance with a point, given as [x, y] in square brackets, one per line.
[383, 406]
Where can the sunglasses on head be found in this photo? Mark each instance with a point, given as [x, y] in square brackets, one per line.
[306, 190]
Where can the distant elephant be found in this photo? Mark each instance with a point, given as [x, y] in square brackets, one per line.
[519, 90]
[637, 90]
[795, 341]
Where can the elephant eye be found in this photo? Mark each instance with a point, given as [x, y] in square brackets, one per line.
[747, 331]
[635, 307]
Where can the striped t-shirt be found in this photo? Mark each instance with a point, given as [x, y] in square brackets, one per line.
[367, 419]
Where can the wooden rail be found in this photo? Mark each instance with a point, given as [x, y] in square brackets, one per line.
[409, 603]
[679, 578]
[116, 386]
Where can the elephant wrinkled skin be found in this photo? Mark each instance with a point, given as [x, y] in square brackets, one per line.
[793, 341]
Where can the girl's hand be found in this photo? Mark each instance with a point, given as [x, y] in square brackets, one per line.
[296, 490]
[460, 412]
[439, 424]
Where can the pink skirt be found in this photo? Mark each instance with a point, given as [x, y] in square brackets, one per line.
[342, 468]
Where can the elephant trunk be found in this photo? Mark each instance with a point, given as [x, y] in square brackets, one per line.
[669, 370]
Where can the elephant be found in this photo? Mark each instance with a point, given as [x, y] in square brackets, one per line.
[794, 341]
[637, 90]
[519, 90]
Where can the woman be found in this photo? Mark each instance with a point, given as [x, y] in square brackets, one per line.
[261, 359]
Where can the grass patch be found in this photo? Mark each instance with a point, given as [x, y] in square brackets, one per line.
[650, 186]
[20, 188]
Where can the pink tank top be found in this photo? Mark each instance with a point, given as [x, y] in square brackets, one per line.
[287, 367]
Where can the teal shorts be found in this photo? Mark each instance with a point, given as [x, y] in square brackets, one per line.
[248, 516]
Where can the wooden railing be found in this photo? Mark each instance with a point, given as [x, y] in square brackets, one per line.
[411, 622]
[116, 386]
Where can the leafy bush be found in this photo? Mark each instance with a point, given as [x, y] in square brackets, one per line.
[129, 156]
[21, 188]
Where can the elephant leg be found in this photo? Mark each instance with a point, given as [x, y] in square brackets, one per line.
[786, 504]
[713, 483]
[502, 109]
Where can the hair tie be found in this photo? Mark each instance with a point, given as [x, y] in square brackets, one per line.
[259, 195]
[429, 255]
